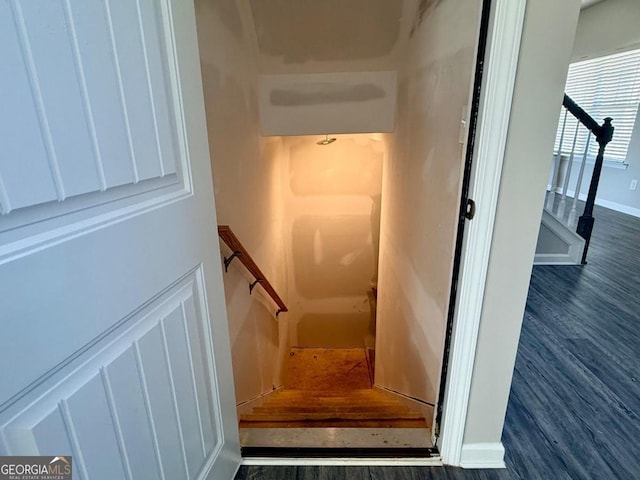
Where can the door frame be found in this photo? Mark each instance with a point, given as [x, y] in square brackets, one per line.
[503, 42]
[501, 61]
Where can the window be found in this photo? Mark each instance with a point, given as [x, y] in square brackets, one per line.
[603, 87]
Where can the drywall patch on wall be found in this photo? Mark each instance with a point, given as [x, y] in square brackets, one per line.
[301, 31]
[332, 198]
[318, 329]
[421, 196]
[333, 255]
[346, 168]
[296, 37]
[247, 184]
[323, 93]
[307, 104]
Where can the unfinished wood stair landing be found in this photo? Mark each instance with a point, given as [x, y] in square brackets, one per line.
[328, 402]
[330, 388]
[355, 408]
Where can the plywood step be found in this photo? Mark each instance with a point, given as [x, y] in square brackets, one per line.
[362, 393]
[331, 388]
[290, 405]
[315, 415]
[335, 409]
[320, 369]
[319, 403]
[343, 399]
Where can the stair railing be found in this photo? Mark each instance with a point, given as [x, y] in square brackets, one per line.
[239, 252]
[603, 135]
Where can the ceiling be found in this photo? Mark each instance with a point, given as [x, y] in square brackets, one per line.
[316, 36]
[329, 30]
[311, 36]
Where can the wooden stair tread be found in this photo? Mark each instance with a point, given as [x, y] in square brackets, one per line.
[275, 399]
[373, 409]
[366, 395]
[285, 406]
[362, 392]
[321, 404]
[315, 415]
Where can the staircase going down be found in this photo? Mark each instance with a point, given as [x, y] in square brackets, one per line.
[356, 408]
[328, 401]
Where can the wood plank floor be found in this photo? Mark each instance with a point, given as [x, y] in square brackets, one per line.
[575, 400]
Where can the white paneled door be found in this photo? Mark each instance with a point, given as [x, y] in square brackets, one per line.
[114, 346]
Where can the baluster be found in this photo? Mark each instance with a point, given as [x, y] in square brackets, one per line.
[556, 167]
[573, 214]
[552, 184]
[567, 175]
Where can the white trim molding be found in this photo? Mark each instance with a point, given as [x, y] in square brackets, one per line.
[503, 44]
[618, 207]
[572, 244]
[482, 455]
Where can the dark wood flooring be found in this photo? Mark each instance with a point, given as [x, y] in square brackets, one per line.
[575, 399]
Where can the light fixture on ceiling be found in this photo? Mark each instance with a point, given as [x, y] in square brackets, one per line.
[326, 140]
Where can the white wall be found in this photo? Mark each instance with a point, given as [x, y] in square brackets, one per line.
[331, 198]
[246, 175]
[421, 195]
[544, 58]
[607, 27]
[613, 190]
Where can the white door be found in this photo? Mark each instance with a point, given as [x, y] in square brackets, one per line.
[113, 340]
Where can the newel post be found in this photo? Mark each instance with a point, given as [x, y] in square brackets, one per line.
[586, 220]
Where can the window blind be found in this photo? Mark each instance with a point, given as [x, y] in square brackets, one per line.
[604, 87]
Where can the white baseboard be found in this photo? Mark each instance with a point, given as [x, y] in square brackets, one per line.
[618, 207]
[247, 405]
[553, 259]
[482, 455]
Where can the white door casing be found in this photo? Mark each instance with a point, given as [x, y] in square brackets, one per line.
[501, 61]
[114, 341]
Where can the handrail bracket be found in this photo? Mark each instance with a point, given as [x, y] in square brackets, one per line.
[227, 261]
[253, 284]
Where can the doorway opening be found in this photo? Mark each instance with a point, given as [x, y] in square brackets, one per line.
[330, 198]
[357, 235]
